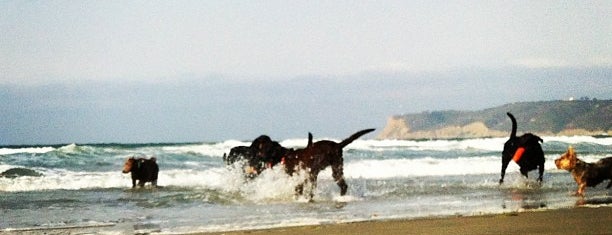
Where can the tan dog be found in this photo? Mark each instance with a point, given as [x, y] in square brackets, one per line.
[585, 174]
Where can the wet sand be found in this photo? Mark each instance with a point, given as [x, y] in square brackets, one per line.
[580, 220]
[563, 221]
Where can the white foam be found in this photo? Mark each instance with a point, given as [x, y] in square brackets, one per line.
[272, 184]
[213, 150]
[393, 168]
[488, 144]
[399, 168]
[64, 180]
[71, 148]
[8, 151]
[580, 139]
[347, 198]
[276, 184]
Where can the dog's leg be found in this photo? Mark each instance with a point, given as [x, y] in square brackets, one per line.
[133, 183]
[524, 172]
[581, 188]
[541, 172]
[338, 175]
[313, 186]
[503, 170]
[299, 189]
[343, 186]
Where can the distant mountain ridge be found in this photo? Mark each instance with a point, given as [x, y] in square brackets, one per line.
[546, 118]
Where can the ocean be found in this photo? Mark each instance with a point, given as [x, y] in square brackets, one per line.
[81, 186]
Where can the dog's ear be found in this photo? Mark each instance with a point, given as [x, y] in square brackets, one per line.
[570, 152]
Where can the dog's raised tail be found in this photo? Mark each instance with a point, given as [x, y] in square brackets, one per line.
[309, 140]
[513, 133]
[353, 137]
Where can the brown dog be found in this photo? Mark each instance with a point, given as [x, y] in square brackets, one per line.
[143, 170]
[316, 157]
[585, 174]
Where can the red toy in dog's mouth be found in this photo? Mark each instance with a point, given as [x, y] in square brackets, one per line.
[518, 154]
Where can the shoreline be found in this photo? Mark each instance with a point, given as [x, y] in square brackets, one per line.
[578, 220]
[575, 220]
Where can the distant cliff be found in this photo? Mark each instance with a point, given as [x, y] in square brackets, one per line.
[578, 117]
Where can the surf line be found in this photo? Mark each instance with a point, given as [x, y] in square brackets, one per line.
[58, 227]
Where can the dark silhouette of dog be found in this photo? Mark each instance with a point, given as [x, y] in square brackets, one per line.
[585, 174]
[268, 152]
[318, 156]
[525, 150]
[245, 157]
[143, 170]
[261, 154]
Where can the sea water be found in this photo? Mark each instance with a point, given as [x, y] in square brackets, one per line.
[81, 186]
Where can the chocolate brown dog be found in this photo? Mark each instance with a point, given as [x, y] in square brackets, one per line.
[525, 150]
[585, 174]
[316, 157]
[143, 170]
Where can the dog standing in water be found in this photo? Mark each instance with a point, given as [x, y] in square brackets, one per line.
[585, 174]
[525, 150]
[261, 154]
[143, 170]
[318, 156]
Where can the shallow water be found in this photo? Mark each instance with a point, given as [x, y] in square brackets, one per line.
[82, 186]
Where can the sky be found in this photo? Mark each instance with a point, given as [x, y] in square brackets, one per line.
[182, 71]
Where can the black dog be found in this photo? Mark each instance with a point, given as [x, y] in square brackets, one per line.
[143, 170]
[525, 150]
[261, 154]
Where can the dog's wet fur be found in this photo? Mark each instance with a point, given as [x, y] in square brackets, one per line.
[585, 174]
[316, 157]
[142, 170]
[533, 156]
[261, 154]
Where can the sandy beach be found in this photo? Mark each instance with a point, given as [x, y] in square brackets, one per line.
[581, 220]
[564, 221]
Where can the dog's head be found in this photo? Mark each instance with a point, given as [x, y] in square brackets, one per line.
[127, 166]
[568, 160]
[261, 146]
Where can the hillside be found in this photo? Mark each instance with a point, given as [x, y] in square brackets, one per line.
[578, 117]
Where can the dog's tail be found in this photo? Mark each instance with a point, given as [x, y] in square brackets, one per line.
[309, 140]
[353, 137]
[513, 134]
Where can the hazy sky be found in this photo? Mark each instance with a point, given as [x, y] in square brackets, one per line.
[168, 71]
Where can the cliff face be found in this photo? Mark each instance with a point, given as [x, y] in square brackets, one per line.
[584, 117]
[397, 128]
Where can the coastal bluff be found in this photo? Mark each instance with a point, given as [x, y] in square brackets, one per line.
[544, 118]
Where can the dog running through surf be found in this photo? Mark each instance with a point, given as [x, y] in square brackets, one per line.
[585, 174]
